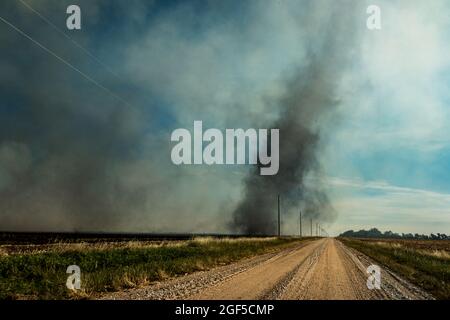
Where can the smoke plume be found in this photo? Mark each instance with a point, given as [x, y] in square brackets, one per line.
[311, 95]
[75, 158]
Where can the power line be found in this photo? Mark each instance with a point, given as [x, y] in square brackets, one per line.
[60, 31]
[64, 61]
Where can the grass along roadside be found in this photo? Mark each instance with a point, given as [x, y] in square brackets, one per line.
[42, 275]
[425, 268]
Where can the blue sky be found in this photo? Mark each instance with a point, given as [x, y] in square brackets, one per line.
[396, 133]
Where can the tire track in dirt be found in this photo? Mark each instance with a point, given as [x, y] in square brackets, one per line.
[183, 287]
[258, 282]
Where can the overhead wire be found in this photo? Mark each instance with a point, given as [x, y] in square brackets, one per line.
[60, 31]
[49, 51]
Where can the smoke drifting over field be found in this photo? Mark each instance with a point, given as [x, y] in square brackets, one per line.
[74, 158]
[70, 154]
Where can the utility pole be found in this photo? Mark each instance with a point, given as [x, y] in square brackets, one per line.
[300, 223]
[279, 229]
[311, 227]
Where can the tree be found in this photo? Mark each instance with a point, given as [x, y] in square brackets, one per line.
[375, 233]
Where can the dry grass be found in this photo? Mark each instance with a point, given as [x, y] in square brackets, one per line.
[413, 246]
[40, 271]
[6, 250]
[425, 263]
[84, 246]
[205, 240]
[442, 254]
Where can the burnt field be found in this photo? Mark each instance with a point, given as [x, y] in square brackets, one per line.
[42, 238]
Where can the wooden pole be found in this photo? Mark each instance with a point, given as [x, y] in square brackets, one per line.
[300, 223]
[279, 229]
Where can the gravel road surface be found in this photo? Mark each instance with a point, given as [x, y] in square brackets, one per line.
[320, 269]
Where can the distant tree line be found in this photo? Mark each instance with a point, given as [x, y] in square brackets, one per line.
[375, 233]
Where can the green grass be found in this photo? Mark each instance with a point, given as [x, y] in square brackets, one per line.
[432, 273]
[43, 275]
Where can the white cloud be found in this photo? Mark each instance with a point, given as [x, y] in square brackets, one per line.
[397, 95]
[363, 204]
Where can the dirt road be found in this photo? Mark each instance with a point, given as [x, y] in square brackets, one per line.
[320, 269]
